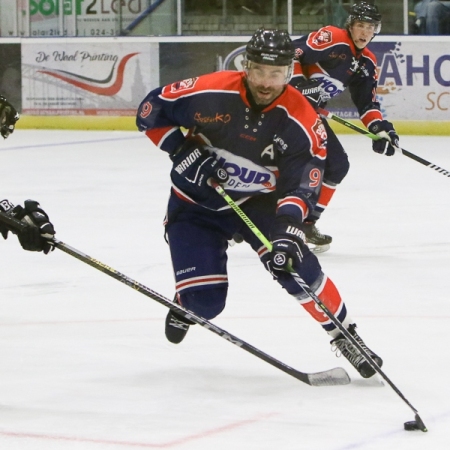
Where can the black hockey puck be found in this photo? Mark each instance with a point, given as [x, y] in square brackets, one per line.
[411, 426]
[415, 425]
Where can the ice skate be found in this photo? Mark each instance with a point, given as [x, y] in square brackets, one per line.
[176, 327]
[342, 346]
[317, 242]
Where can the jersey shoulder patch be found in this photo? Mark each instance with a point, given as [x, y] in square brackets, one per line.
[215, 81]
[326, 37]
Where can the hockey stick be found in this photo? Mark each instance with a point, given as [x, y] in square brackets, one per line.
[319, 303]
[332, 377]
[330, 115]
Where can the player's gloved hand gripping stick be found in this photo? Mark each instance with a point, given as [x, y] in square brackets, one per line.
[417, 423]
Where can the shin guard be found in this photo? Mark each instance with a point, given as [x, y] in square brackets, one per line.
[326, 194]
[329, 295]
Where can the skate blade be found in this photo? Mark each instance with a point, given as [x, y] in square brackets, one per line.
[319, 248]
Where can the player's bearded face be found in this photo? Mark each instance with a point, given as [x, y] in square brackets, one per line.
[266, 82]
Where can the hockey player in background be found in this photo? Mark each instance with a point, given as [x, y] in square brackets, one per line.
[39, 229]
[272, 145]
[8, 117]
[327, 62]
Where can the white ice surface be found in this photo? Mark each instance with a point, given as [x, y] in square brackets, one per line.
[84, 363]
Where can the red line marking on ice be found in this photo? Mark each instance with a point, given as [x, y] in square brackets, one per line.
[174, 443]
[151, 319]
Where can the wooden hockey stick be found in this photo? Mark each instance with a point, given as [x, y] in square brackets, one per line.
[332, 377]
[330, 115]
[307, 289]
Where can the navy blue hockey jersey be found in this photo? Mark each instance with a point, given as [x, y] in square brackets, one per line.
[330, 55]
[282, 147]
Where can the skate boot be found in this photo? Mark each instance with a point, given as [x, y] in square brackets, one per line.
[317, 242]
[342, 346]
[176, 327]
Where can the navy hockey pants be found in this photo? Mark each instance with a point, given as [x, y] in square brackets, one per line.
[198, 240]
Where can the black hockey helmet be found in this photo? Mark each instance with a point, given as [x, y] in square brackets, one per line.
[271, 47]
[364, 12]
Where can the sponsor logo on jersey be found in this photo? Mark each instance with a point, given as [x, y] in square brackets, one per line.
[245, 175]
[330, 86]
[224, 118]
[355, 65]
[320, 134]
[334, 55]
[365, 71]
[280, 143]
[247, 137]
[183, 85]
[322, 38]
[242, 178]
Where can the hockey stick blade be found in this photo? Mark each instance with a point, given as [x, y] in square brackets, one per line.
[333, 377]
[307, 289]
[336, 118]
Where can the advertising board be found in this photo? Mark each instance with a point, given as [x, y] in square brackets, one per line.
[86, 76]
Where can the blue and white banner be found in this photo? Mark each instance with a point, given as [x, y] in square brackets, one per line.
[414, 78]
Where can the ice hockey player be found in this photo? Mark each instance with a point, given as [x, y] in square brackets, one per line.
[39, 228]
[272, 145]
[327, 62]
[8, 117]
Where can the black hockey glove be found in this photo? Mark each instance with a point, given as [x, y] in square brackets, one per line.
[8, 117]
[288, 240]
[313, 91]
[5, 206]
[35, 237]
[385, 130]
[193, 166]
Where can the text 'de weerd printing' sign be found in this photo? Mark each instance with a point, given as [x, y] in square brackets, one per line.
[86, 77]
